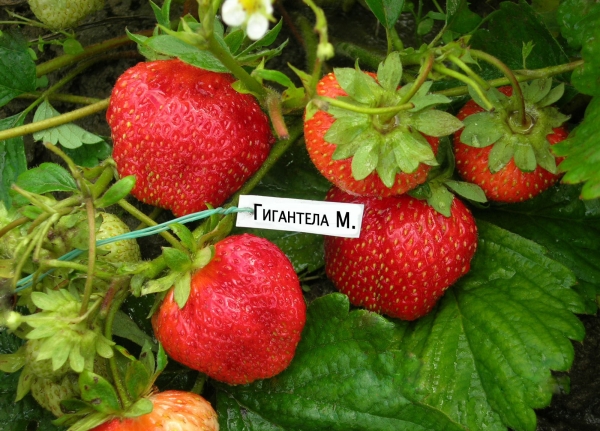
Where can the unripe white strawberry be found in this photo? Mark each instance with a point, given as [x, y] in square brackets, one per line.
[49, 393]
[122, 251]
[42, 368]
[59, 14]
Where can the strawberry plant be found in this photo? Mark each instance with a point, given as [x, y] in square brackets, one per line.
[130, 299]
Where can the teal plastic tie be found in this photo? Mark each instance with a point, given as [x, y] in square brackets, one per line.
[26, 282]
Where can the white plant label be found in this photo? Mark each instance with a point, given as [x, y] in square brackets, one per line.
[299, 215]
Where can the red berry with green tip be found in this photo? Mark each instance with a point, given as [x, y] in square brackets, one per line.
[244, 315]
[339, 172]
[171, 410]
[509, 184]
[407, 255]
[188, 137]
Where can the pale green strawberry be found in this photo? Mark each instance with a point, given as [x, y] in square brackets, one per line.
[59, 14]
[42, 368]
[50, 393]
[120, 251]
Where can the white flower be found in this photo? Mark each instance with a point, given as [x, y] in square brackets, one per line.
[252, 15]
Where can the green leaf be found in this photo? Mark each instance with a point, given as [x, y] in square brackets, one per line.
[387, 12]
[467, 190]
[577, 20]
[273, 75]
[267, 40]
[17, 69]
[566, 226]
[344, 366]
[410, 149]
[422, 99]
[172, 46]
[96, 390]
[141, 407]
[48, 177]
[69, 135]
[12, 157]
[500, 155]
[425, 26]
[185, 235]
[436, 123]
[89, 155]
[125, 327]
[72, 46]
[485, 356]
[585, 77]
[160, 284]
[116, 192]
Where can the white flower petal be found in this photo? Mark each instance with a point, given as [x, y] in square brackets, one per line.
[268, 7]
[233, 13]
[257, 26]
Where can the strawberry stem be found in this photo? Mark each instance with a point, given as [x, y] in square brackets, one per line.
[517, 93]
[89, 281]
[470, 73]
[322, 103]
[426, 67]
[470, 82]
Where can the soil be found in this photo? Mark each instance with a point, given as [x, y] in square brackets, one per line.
[574, 410]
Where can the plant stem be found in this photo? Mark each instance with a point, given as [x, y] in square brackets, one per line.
[55, 263]
[110, 318]
[90, 51]
[456, 75]
[89, 281]
[360, 109]
[240, 73]
[59, 120]
[66, 98]
[517, 93]
[370, 59]
[149, 222]
[423, 74]
[470, 73]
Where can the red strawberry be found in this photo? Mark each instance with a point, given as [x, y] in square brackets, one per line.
[243, 318]
[510, 183]
[172, 410]
[406, 257]
[186, 134]
[340, 171]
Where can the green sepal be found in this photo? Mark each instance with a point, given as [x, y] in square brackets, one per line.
[141, 407]
[389, 72]
[422, 99]
[536, 90]
[436, 123]
[96, 390]
[524, 155]
[546, 159]
[176, 259]
[104, 346]
[24, 383]
[182, 289]
[160, 284]
[467, 190]
[11, 362]
[365, 159]
[203, 257]
[345, 130]
[161, 359]
[410, 149]
[116, 192]
[76, 359]
[137, 379]
[88, 422]
[495, 96]
[441, 200]
[185, 235]
[481, 130]
[358, 85]
[500, 155]
[147, 358]
[387, 168]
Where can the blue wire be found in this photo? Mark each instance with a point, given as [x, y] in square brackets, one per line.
[25, 282]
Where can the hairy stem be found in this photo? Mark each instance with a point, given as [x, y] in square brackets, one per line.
[459, 76]
[421, 78]
[89, 281]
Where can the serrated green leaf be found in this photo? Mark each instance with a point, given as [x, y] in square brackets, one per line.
[344, 366]
[172, 46]
[387, 12]
[500, 155]
[182, 289]
[17, 68]
[12, 158]
[389, 72]
[436, 123]
[577, 20]
[48, 177]
[89, 155]
[96, 390]
[485, 355]
[68, 135]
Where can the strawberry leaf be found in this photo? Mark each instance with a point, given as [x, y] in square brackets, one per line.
[12, 158]
[137, 379]
[96, 390]
[358, 85]
[436, 123]
[387, 12]
[344, 366]
[48, 177]
[17, 68]
[389, 72]
[365, 159]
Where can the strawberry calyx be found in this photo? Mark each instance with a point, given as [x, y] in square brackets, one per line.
[382, 127]
[524, 141]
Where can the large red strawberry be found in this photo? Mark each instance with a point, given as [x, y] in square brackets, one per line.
[172, 410]
[370, 148]
[244, 315]
[184, 132]
[407, 255]
[509, 161]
